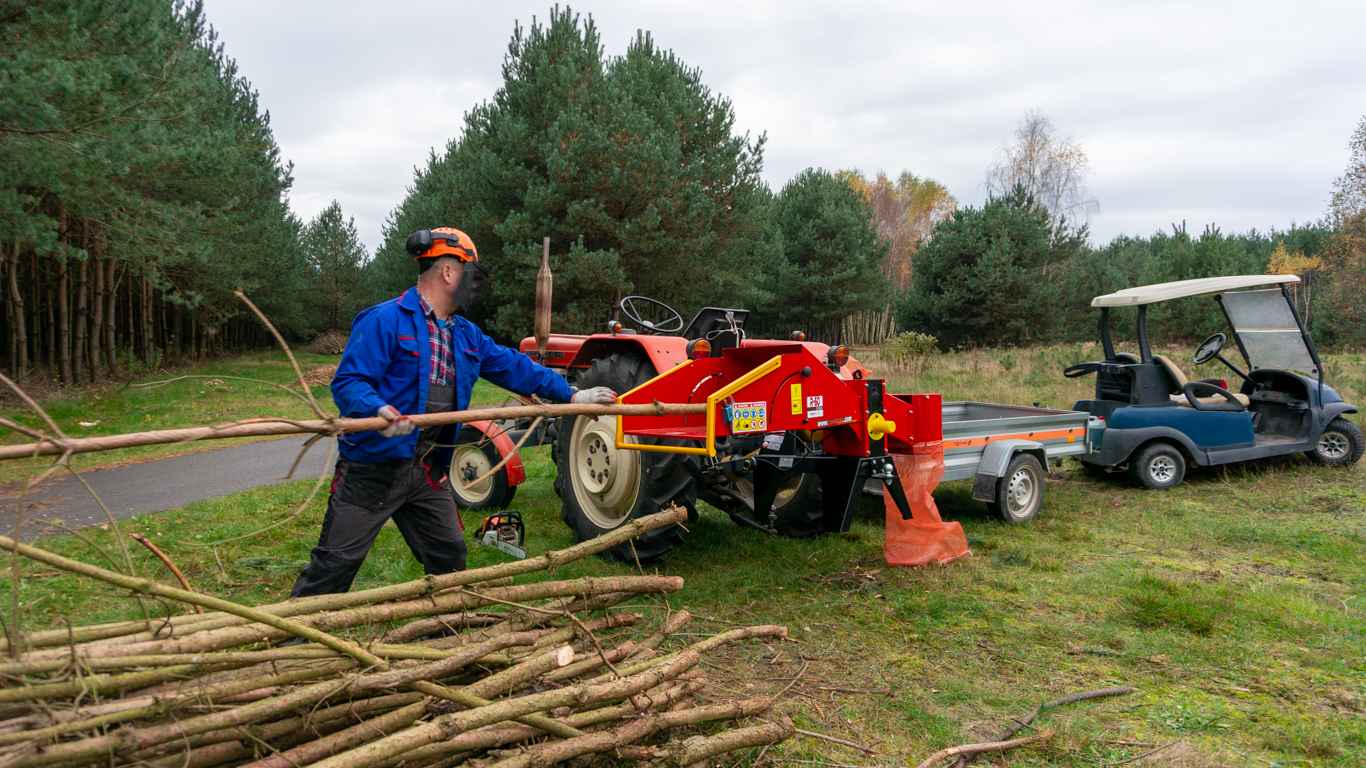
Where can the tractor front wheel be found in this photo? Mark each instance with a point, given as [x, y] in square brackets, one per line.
[473, 457]
[601, 486]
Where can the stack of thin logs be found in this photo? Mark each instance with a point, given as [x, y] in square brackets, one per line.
[441, 671]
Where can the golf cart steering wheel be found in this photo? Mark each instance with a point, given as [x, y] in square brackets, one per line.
[638, 309]
[1081, 369]
[1209, 348]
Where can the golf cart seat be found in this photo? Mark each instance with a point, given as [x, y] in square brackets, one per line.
[1178, 377]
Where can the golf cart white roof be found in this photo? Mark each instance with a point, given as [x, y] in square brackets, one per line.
[1180, 289]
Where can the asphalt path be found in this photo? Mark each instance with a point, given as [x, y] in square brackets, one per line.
[153, 486]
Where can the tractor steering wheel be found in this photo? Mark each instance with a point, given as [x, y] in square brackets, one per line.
[639, 310]
[1209, 348]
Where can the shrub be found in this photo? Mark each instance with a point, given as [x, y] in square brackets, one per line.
[908, 350]
[328, 343]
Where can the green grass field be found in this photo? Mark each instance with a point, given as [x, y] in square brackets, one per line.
[1233, 603]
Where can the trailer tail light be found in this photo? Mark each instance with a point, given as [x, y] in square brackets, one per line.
[698, 349]
[799, 335]
[837, 356]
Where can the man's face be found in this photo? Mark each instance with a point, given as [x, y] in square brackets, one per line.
[465, 282]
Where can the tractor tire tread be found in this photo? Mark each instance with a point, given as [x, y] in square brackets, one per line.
[666, 478]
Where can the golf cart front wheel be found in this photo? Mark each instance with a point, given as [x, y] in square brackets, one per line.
[1019, 493]
[1159, 466]
[1340, 445]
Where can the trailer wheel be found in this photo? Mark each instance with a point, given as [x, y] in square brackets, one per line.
[1340, 445]
[471, 458]
[602, 487]
[1159, 466]
[1019, 493]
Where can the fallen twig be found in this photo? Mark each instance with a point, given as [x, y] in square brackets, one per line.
[166, 561]
[968, 750]
[835, 740]
[1022, 723]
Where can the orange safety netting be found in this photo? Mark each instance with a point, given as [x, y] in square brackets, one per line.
[925, 538]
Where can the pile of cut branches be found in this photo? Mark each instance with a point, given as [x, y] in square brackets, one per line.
[469, 666]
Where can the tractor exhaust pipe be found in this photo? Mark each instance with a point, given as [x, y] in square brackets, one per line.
[544, 284]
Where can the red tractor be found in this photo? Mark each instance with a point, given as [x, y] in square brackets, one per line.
[601, 486]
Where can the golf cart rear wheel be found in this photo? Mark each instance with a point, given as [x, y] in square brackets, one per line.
[1019, 493]
[1159, 466]
[471, 459]
[601, 487]
[1340, 445]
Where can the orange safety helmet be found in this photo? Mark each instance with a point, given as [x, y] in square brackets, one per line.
[442, 241]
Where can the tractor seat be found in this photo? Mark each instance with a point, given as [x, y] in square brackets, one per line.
[1179, 376]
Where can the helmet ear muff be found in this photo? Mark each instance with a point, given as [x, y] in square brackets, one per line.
[419, 242]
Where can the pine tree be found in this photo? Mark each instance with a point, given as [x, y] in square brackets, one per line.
[142, 184]
[832, 251]
[630, 165]
[336, 260]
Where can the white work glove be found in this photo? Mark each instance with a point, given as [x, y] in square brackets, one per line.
[594, 396]
[398, 423]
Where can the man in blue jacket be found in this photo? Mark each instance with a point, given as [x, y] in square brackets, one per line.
[415, 354]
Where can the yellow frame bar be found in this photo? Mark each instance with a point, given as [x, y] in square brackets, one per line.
[765, 368]
[621, 434]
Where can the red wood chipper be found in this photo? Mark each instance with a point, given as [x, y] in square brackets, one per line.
[777, 409]
[794, 432]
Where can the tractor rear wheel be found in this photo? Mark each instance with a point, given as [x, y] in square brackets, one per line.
[601, 487]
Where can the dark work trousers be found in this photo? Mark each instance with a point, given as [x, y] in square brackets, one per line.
[363, 497]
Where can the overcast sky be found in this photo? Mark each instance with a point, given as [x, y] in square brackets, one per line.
[1232, 113]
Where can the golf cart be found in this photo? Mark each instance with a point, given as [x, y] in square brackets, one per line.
[1155, 420]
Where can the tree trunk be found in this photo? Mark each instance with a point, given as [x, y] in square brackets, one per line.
[111, 291]
[130, 321]
[6, 271]
[96, 360]
[35, 291]
[19, 325]
[145, 321]
[51, 356]
[64, 319]
[82, 319]
[163, 325]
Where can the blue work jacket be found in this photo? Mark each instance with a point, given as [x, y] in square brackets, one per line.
[387, 361]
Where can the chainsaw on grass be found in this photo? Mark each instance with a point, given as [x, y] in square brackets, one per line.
[505, 532]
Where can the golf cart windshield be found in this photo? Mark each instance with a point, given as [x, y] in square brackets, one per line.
[1267, 331]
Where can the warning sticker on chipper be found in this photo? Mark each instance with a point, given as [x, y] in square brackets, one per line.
[815, 406]
[749, 417]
